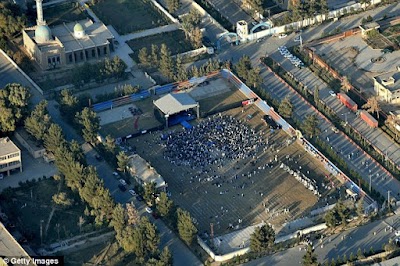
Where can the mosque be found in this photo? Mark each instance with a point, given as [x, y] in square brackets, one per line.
[66, 44]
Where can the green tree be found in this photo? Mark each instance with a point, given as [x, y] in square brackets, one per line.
[7, 120]
[360, 254]
[11, 19]
[122, 161]
[196, 37]
[151, 237]
[38, 122]
[149, 193]
[166, 62]
[310, 259]
[54, 138]
[166, 257]
[310, 125]
[132, 214]
[62, 199]
[155, 55]
[186, 228]
[262, 238]
[316, 95]
[372, 105]
[110, 144]
[77, 152]
[69, 104]
[143, 56]
[118, 220]
[164, 204]
[90, 124]
[285, 108]
[113, 68]
[173, 5]
[181, 72]
[242, 67]
[254, 78]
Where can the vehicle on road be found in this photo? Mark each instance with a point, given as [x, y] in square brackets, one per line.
[1, 176]
[98, 158]
[132, 192]
[149, 210]
[139, 198]
[122, 187]
[332, 93]
[282, 35]
[115, 174]
[397, 233]
[122, 182]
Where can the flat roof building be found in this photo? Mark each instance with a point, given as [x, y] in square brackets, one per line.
[387, 86]
[10, 156]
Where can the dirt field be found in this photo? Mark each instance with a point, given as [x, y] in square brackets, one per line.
[248, 190]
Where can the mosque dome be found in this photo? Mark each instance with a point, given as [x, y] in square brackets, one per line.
[79, 31]
[43, 34]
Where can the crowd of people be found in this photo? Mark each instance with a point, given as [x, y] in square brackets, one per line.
[212, 142]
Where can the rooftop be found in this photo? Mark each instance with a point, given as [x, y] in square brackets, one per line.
[9, 247]
[97, 34]
[370, 26]
[7, 146]
[390, 80]
[175, 103]
[145, 171]
[33, 145]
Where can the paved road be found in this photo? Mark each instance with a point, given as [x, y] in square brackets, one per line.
[336, 245]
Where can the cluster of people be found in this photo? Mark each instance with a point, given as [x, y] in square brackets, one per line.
[212, 142]
[310, 184]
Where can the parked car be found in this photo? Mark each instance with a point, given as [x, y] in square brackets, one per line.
[132, 192]
[122, 187]
[139, 198]
[149, 210]
[332, 93]
[115, 174]
[282, 35]
[122, 182]
[1, 176]
[98, 158]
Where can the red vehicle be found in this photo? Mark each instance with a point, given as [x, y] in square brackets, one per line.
[346, 100]
[369, 119]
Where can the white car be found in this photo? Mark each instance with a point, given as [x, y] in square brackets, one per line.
[132, 192]
[115, 174]
[397, 233]
[1, 176]
[282, 35]
[122, 182]
[332, 93]
[149, 210]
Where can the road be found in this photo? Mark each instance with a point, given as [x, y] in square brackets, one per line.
[331, 247]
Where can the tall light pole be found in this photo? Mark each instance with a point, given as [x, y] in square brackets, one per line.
[389, 199]
[41, 232]
[370, 182]
[345, 116]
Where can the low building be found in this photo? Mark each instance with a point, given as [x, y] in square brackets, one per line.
[387, 86]
[26, 140]
[10, 156]
[365, 28]
[144, 173]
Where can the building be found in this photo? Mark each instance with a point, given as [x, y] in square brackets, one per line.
[26, 140]
[387, 86]
[10, 156]
[66, 44]
[365, 28]
[144, 173]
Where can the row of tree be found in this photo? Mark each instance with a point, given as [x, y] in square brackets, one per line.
[14, 100]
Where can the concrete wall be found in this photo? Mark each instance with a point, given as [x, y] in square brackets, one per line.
[204, 13]
[162, 9]
[193, 53]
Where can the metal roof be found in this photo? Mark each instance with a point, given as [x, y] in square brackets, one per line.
[175, 103]
[7, 146]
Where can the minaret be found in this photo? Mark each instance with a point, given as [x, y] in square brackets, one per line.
[39, 9]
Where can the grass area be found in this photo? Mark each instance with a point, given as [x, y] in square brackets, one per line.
[128, 16]
[175, 41]
[64, 12]
[28, 205]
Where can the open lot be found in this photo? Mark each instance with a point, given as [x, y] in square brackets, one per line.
[128, 16]
[174, 40]
[250, 190]
[68, 11]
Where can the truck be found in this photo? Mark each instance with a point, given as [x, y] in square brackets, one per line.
[369, 119]
[347, 101]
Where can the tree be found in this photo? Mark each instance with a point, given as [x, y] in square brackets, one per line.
[133, 215]
[360, 207]
[193, 17]
[81, 222]
[118, 221]
[151, 237]
[285, 108]
[330, 218]
[11, 19]
[166, 257]
[154, 55]
[62, 199]
[186, 228]
[254, 78]
[38, 122]
[310, 125]
[316, 95]
[149, 193]
[90, 124]
[54, 138]
[173, 5]
[372, 105]
[113, 68]
[110, 144]
[255, 5]
[122, 161]
[77, 152]
[69, 104]
[166, 62]
[243, 66]
[164, 204]
[181, 72]
[196, 37]
[310, 259]
[262, 238]
[143, 56]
